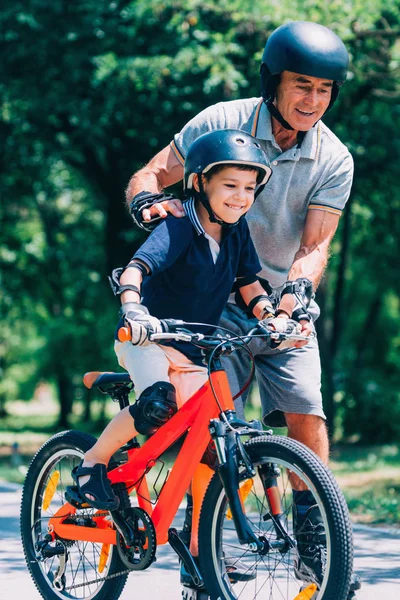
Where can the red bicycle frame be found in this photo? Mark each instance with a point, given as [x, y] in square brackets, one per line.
[194, 417]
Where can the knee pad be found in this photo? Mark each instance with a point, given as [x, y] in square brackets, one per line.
[154, 407]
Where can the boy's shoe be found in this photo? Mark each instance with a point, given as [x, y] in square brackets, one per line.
[97, 492]
[310, 563]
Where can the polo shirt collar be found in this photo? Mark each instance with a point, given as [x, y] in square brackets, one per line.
[189, 206]
[190, 211]
[262, 129]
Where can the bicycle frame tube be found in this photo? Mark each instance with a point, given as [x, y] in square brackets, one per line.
[195, 416]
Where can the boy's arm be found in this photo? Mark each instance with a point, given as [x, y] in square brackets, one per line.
[132, 276]
[256, 299]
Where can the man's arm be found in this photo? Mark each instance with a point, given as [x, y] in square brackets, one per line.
[311, 258]
[162, 171]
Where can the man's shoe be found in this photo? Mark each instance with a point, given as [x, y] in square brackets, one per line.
[310, 563]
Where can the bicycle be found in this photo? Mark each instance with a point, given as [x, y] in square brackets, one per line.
[78, 552]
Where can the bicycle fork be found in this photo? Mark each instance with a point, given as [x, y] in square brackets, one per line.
[232, 455]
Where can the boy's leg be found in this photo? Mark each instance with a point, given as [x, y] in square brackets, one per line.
[146, 365]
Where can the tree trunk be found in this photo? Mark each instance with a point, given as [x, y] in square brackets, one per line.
[65, 396]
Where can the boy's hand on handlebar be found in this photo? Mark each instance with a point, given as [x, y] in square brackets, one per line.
[140, 323]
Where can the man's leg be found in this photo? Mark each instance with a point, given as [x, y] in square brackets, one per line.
[311, 431]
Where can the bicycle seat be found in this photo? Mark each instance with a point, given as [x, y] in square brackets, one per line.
[106, 381]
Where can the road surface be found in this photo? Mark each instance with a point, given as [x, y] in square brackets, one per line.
[377, 562]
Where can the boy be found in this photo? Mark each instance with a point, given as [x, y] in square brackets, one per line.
[184, 270]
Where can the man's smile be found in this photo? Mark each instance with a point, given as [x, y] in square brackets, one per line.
[304, 113]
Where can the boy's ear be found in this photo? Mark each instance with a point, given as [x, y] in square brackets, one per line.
[196, 182]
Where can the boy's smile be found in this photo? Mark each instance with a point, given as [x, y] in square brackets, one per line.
[230, 193]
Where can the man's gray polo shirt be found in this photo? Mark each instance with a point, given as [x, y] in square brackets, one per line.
[316, 176]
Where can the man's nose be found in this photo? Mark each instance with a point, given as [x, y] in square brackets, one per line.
[311, 97]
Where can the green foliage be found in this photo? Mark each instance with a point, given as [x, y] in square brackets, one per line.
[91, 90]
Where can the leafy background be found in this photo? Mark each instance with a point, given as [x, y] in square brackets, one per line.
[90, 91]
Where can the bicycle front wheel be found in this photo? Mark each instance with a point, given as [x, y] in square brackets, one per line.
[84, 570]
[291, 560]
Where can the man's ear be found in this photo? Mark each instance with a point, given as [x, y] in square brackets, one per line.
[196, 182]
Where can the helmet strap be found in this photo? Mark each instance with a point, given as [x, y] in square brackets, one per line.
[202, 197]
[274, 112]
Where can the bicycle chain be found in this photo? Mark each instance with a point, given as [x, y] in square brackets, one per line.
[119, 574]
[78, 585]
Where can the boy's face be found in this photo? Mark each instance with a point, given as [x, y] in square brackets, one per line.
[231, 193]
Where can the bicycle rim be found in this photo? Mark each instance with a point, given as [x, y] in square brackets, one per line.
[82, 579]
[275, 574]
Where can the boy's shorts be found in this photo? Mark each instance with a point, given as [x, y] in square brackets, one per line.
[289, 380]
[148, 364]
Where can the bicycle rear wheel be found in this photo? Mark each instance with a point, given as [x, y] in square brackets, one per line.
[80, 573]
[275, 573]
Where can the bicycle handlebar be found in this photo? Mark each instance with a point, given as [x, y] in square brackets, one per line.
[173, 331]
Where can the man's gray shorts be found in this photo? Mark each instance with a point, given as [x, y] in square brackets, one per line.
[289, 380]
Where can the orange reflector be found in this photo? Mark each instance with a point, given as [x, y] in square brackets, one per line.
[244, 491]
[50, 490]
[105, 551]
[307, 593]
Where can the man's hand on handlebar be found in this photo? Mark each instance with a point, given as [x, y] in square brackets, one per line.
[282, 324]
[140, 323]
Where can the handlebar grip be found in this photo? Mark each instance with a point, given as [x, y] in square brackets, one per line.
[124, 334]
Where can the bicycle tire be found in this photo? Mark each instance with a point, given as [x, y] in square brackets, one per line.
[60, 454]
[275, 572]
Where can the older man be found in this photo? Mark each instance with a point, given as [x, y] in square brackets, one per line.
[292, 224]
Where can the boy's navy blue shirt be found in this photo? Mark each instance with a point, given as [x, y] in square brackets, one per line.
[184, 282]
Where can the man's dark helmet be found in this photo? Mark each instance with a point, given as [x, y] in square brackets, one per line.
[219, 147]
[305, 48]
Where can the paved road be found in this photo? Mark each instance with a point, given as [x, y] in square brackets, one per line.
[377, 561]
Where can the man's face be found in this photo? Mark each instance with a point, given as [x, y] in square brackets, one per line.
[302, 100]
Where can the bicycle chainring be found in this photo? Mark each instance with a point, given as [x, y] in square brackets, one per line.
[140, 555]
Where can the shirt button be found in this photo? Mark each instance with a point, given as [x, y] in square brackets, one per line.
[275, 162]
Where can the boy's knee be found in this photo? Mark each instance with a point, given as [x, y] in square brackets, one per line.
[154, 407]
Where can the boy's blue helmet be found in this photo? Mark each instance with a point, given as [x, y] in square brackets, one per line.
[224, 147]
[306, 48]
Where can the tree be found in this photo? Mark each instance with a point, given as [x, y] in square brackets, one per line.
[92, 90]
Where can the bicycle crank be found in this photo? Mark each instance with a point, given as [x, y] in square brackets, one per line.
[142, 550]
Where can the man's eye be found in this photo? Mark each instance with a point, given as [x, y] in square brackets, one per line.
[229, 185]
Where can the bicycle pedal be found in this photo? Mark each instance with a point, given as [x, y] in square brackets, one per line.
[74, 498]
[192, 594]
